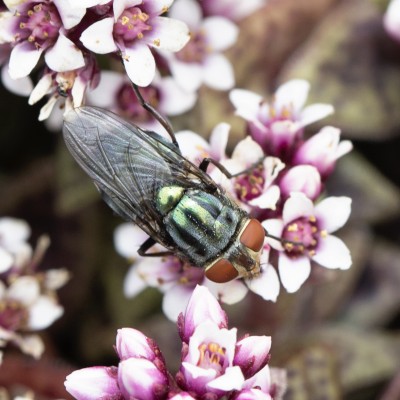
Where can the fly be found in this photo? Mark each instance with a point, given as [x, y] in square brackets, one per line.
[144, 178]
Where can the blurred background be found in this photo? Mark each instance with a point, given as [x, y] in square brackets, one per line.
[338, 339]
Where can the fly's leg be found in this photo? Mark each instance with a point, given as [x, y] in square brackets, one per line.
[161, 119]
[146, 246]
[207, 161]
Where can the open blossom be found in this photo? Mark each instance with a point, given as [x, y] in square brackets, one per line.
[28, 300]
[134, 28]
[68, 87]
[115, 93]
[34, 27]
[278, 126]
[257, 187]
[306, 230]
[322, 150]
[201, 61]
[214, 362]
[391, 20]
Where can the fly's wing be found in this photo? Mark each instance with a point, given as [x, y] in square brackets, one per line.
[129, 165]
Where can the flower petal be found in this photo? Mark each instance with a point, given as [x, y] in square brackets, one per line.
[175, 300]
[13, 230]
[128, 238]
[392, 20]
[168, 34]
[120, 5]
[64, 55]
[232, 379]
[293, 271]
[23, 59]
[93, 383]
[98, 37]
[133, 343]
[247, 103]
[274, 227]
[41, 89]
[268, 199]
[229, 293]
[133, 283]
[188, 11]
[43, 313]
[333, 212]
[292, 94]
[189, 76]
[296, 206]
[219, 140]
[332, 253]
[266, 284]
[218, 72]
[21, 87]
[221, 33]
[70, 15]
[175, 100]
[202, 306]
[24, 289]
[139, 64]
[6, 261]
[315, 112]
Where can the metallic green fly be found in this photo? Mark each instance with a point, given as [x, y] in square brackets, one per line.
[144, 178]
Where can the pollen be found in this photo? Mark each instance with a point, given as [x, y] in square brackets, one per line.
[31, 38]
[156, 42]
[140, 35]
[293, 228]
[211, 355]
[311, 218]
[124, 20]
[324, 233]
[22, 25]
[311, 253]
[289, 246]
[164, 10]
[143, 17]
[37, 8]
[30, 13]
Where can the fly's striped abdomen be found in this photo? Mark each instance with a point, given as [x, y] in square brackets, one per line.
[202, 225]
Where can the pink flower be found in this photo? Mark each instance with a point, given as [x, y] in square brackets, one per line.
[135, 27]
[115, 93]
[201, 60]
[307, 231]
[278, 126]
[255, 188]
[391, 19]
[322, 150]
[301, 178]
[34, 27]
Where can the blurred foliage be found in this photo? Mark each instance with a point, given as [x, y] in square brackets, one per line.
[339, 336]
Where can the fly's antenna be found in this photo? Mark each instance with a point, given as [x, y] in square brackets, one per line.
[161, 119]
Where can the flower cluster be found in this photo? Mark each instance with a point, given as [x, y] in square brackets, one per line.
[64, 39]
[214, 363]
[283, 187]
[28, 300]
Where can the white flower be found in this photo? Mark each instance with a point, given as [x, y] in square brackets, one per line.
[306, 235]
[201, 60]
[391, 19]
[135, 27]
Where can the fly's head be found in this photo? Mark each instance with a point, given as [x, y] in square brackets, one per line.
[242, 258]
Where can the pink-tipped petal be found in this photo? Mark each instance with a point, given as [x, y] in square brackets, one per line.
[333, 212]
[140, 379]
[332, 253]
[202, 306]
[132, 343]
[252, 354]
[293, 271]
[93, 383]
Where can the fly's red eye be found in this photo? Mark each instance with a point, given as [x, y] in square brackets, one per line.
[253, 235]
[221, 272]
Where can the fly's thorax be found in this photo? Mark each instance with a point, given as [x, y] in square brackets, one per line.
[168, 197]
[242, 258]
[201, 225]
